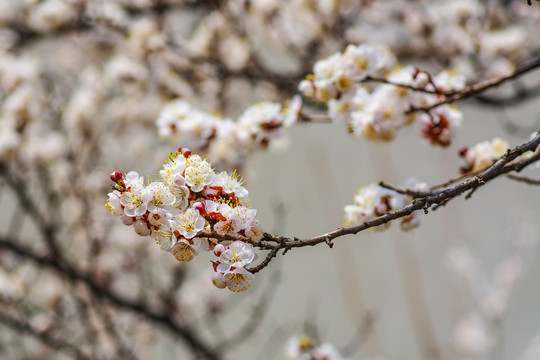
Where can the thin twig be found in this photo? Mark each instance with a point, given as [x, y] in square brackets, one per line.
[517, 98]
[500, 167]
[413, 194]
[456, 179]
[410, 87]
[523, 179]
[478, 88]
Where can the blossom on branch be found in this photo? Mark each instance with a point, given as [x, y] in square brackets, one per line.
[364, 89]
[188, 199]
[374, 200]
[483, 154]
[224, 140]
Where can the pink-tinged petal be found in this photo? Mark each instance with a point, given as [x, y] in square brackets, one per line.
[223, 267]
[132, 176]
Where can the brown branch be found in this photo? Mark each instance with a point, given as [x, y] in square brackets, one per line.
[414, 194]
[187, 334]
[456, 179]
[501, 167]
[521, 95]
[478, 88]
[433, 198]
[410, 87]
[272, 254]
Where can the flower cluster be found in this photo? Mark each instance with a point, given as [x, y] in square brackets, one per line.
[374, 200]
[226, 141]
[364, 89]
[303, 348]
[190, 198]
[483, 154]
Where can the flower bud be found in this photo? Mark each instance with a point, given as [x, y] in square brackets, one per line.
[217, 280]
[142, 228]
[116, 176]
[219, 249]
[127, 220]
[199, 206]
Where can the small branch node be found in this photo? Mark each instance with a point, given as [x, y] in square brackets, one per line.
[329, 242]
[479, 180]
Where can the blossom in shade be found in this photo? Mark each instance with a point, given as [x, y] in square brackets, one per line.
[165, 237]
[238, 279]
[185, 250]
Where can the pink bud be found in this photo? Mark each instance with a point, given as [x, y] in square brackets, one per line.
[127, 220]
[219, 249]
[208, 191]
[116, 176]
[199, 206]
[141, 228]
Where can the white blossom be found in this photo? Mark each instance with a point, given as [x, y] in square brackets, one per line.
[189, 223]
[136, 198]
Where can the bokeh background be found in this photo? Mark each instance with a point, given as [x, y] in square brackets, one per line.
[82, 84]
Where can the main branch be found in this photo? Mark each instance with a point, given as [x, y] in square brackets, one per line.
[421, 201]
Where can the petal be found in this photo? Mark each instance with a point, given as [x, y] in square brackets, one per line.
[237, 282]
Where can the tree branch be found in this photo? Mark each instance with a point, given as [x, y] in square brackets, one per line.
[421, 201]
[523, 179]
[478, 88]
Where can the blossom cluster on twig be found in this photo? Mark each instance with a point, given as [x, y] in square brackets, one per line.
[364, 89]
[375, 200]
[224, 140]
[190, 198]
